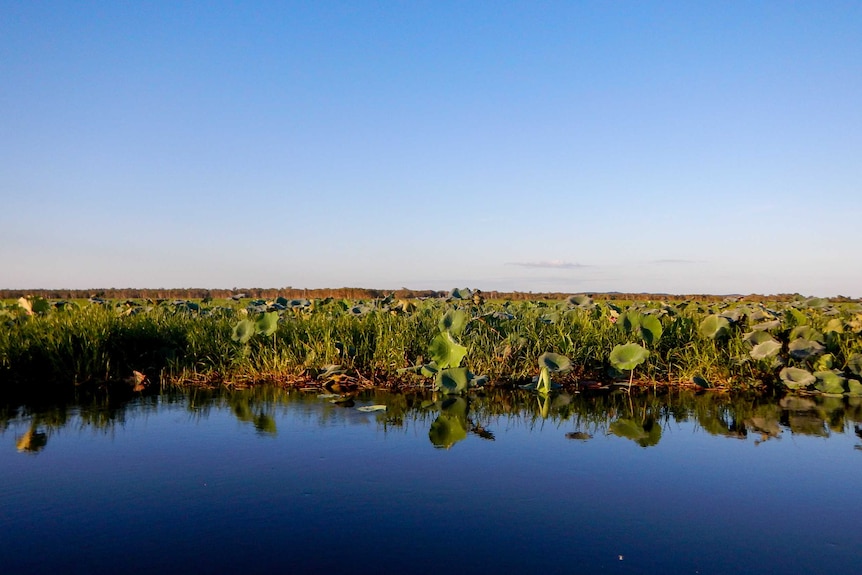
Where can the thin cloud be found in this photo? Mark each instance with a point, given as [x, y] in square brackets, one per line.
[673, 261]
[551, 264]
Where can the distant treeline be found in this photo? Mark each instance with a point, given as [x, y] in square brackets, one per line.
[366, 294]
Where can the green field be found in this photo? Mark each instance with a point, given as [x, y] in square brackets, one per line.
[448, 343]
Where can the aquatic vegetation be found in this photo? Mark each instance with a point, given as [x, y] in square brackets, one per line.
[436, 343]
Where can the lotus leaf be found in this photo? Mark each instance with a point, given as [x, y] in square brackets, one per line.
[829, 382]
[854, 387]
[767, 349]
[243, 331]
[371, 408]
[795, 317]
[702, 382]
[650, 329]
[581, 301]
[824, 363]
[854, 364]
[834, 325]
[453, 380]
[715, 327]
[554, 362]
[267, 324]
[755, 338]
[806, 332]
[445, 351]
[627, 357]
[453, 321]
[458, 293]
[802, 349]
[796, 378]
[767, 325]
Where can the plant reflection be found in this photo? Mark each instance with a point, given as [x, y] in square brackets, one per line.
[450, 419]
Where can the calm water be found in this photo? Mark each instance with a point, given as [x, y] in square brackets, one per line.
[275, 481]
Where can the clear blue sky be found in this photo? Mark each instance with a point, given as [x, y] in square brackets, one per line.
[684, 147]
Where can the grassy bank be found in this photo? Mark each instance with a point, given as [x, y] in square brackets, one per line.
[809, 344]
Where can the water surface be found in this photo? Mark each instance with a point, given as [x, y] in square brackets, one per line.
[279, 481]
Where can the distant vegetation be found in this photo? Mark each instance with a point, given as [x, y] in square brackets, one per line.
[450, 342]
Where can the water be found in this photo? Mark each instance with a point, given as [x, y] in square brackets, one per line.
[269, 480]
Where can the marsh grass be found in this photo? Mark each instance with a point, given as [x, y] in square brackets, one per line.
[85, 343]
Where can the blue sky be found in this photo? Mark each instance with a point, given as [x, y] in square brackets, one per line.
[682, 147]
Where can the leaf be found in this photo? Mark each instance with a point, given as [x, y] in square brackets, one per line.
[834, 325]
[805, 332]
[267, 324]
[243, 331]
[767, 325]
[650, 329]
[445, 351]
[854, 387]
[627, 357]
[796, 378]
[824, 362]
[371, 408]
[755, 338]
[453, 321]
[854, 364]
[829, 382]
[715, 327]
[581, 301]
[767, 349]
[453, 380]
[802, 349]
[554, 362]
[41, 305]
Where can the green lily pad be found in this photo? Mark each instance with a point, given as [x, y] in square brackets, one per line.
[715, 327]
[767, 349]
[445, 351]
[453, 321]
[829, 382]
[802, 349]
[796, 378]
[627, 357]
[243, 331]
[755, 338]
[554, 362]
[267, 324]
[453, 380]
[854, 364]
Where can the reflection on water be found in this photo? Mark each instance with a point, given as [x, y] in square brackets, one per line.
[637, 417]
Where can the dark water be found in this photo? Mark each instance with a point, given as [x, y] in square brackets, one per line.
[286, 482]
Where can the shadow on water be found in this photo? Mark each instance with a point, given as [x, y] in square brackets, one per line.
[639, 417]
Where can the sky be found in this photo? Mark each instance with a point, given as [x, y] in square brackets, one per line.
[674, 147]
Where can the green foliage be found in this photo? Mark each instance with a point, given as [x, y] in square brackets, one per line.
[627, 357]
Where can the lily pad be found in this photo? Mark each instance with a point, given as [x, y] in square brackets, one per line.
[453, 380]
[755, 338]
[802, 349]
[371, 408]
[715, 327]
[445, 351]
[243, 331]
[453, 321]
[829, 382]
[796, 378]
[627, 357]
[767, 349]
[554, 362]
[267, 324]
